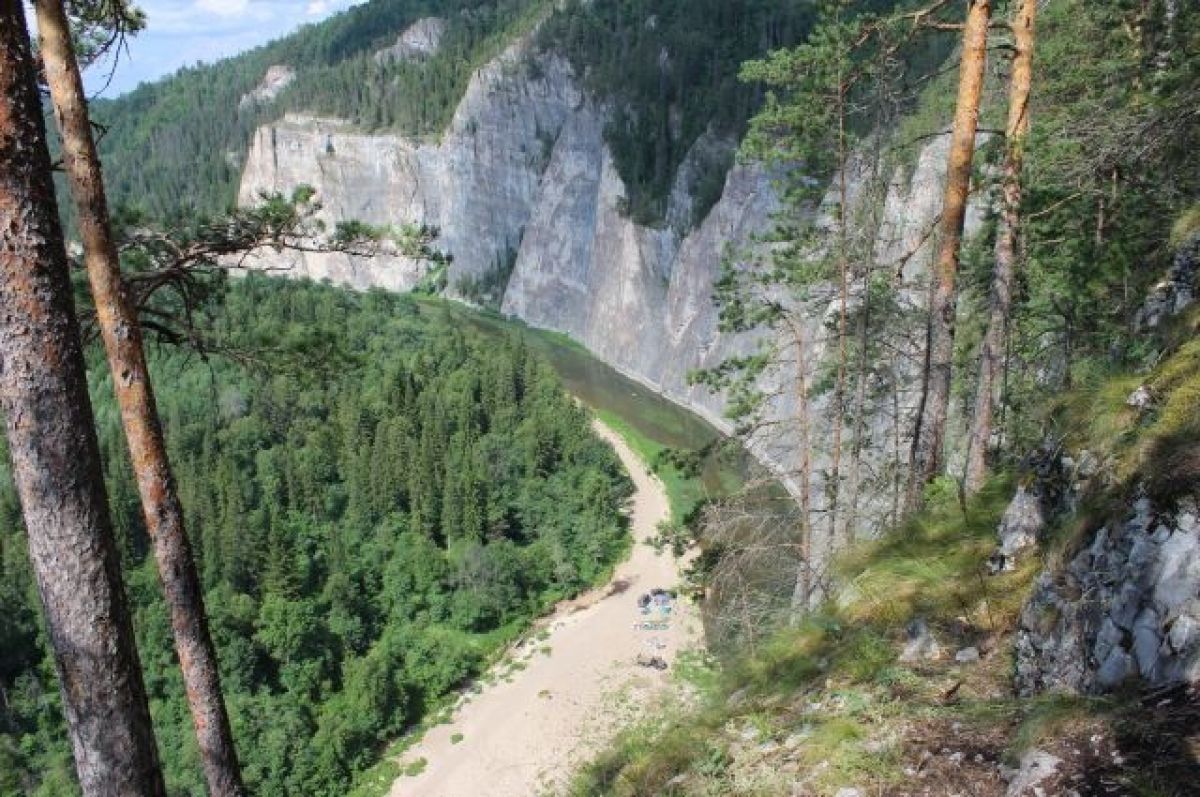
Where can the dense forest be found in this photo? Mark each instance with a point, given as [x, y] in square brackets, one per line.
[668, 69]
[370, 528]
[379, 500]
[186, 136]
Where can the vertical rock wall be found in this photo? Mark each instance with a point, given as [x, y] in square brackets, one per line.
[1124, 607]
[523, 168]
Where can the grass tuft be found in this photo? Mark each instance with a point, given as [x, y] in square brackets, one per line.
[1186, 226]
[834, 681]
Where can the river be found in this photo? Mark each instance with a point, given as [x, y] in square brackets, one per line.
[602, 388]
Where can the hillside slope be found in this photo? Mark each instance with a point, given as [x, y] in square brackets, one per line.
[1042, 644]
[528, 195]
[573, 684]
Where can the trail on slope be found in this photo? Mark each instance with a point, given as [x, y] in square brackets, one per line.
[575, 683]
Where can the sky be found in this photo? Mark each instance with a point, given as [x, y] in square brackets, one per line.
[183, 32]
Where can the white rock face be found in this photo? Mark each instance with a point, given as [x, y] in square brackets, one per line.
[523, 169]
[421, 40]
[1020, 526]
[276, 80]
[477, 185]
[1125, 606]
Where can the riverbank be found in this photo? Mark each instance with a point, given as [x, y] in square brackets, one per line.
[566, 692]
[650, 421]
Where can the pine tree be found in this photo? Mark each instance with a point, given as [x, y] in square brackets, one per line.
[929, 440]
[56, 457]
[121, 332]
[991, 352]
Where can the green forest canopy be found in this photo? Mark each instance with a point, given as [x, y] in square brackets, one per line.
[667, 68]
[368, 533]
[175, 147]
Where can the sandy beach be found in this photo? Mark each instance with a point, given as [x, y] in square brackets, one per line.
[572, 685]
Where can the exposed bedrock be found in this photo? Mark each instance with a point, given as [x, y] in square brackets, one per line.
[522, 178]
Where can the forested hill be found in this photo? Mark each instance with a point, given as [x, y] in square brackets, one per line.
[668, 68]
[175, 146]
[368, 532]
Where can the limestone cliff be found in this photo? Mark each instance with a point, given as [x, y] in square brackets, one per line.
[277, 78]
[522, 179]
[477, 185]
[421, 40]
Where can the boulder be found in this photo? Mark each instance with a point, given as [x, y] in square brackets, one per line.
[1035, 768]
[1141, 399]
[1019, 528]
[921, 645]
[967, 655]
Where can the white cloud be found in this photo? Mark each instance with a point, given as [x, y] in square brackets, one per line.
[184, 32]
[224, 8]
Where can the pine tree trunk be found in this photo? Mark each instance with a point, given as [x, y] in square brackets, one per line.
[803, 586]
[56, 457]
[131, 381]
[854, 482]
[929, 441]
[839, 392]
[991, 354]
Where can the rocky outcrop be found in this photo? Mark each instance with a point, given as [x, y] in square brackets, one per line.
[1052, 484]
[421, 40]
[477, 185]
[1176, 291]
[1126, 606]
[277, 78]
[1021, 527]
[522, 176]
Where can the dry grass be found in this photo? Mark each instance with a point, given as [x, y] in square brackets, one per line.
[1186, 226]
[829, 704]
[1153, 448]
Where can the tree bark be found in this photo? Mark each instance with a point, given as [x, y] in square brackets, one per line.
[991, 352]
[839, 392]
[56, 456]
[803, 586]
[854, 482]
[131, 381]
[929, 441]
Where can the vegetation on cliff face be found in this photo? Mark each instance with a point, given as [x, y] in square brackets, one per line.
[668, 72]
[175, 147]
[368, 533]
[1096, 214]
[847, 695]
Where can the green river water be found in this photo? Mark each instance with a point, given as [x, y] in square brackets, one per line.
[653, 425]
[611, 394]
